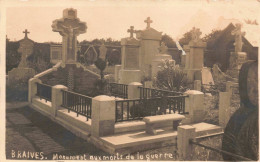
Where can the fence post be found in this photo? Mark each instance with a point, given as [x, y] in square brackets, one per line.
[197, 85]
[194, 104]
[224, 108]
[56, 97]
[185, 133]
[133, 90]
[32, 88]
[103, 116]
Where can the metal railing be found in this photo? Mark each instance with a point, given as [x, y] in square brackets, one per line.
[44, 91]
[152, 93]
[194, 142]
[127, 110]
[77, 103]
[118, 90]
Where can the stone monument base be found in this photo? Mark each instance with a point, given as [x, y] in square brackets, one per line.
[20, 75]
[129, 76]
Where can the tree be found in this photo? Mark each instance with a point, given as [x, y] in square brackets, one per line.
[101, 83]
[171, 77]
[186, 38]
[211, 37]
[169, 42]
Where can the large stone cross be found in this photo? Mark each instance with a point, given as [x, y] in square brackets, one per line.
[238, 37]
[69, 27]
[148, 21]
[131, 31]
[195, 34]
[26, 32]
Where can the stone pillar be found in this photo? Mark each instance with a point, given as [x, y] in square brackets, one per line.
[194, 104]
[32, 88]
[56, 97]
[229, 87]
[185, 133]
[197, 85]
[133, 90]
[224, 108]
[117, 69]
[103, 116]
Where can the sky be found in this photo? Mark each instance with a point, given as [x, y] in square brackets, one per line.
[106, 19]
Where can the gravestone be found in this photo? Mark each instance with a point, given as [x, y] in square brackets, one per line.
[130, 70]
[23, 72]
[238, 57]
[69, 27]
[149, 44]
[194, 65]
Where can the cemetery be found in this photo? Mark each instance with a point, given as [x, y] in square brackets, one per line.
[151, 97]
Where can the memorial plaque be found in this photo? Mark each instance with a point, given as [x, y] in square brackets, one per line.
[132, 58]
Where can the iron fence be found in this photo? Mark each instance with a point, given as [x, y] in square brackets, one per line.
[127, 110]
[77, 103]
[44, 91]
[153, 93]
[194, 142]
[118, 90]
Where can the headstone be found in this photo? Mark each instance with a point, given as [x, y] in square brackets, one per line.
[195, 55]
[102, 51]
[238, 37]
[23, 72]
[130, 71]
[238, 57]
[150, 42]
[90, 55]
[69, 28]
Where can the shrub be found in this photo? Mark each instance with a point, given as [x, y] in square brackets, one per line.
[171, 77]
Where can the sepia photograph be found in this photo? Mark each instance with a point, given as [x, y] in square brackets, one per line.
[141, 80]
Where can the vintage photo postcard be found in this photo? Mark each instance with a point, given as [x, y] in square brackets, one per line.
[156, 80]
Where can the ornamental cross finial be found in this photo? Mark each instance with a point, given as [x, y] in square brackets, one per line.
[195, 34]
[26, 32]
[131, 31]
[148, 21]
[238, 37]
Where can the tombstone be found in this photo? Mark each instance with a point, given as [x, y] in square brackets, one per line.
[90, 55]
[130, 71]
[69, 27]
[102, 51]
[238, 57]
[160, 58]
[150, 42]
[23, 72]
[195, 55]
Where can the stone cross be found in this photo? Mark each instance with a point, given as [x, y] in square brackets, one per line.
[195, 34]
[26, 32]
[148, 21]
[238, 37]
[102, 51]
[131, 31]
[163, 48]
[26, 49]
[69, 28]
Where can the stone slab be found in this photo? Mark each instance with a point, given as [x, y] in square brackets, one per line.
[163, 118]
